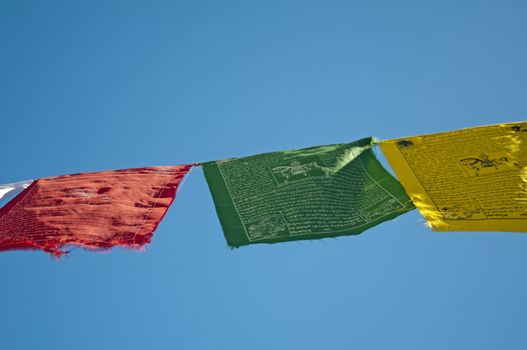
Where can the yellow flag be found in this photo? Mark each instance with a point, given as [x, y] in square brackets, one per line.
[466, 180]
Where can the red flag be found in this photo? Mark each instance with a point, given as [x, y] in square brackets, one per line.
[96, 210]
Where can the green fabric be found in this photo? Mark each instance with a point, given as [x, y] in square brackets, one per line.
[310, 193]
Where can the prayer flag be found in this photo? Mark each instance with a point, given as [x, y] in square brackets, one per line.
[95, 210]
[310, 193]
[466, 180]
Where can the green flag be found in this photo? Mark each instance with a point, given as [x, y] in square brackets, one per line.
[310, 193]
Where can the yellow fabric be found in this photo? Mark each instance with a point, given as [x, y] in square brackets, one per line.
[466, 180]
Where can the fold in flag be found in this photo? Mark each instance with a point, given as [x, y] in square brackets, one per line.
[95, 210]
[316, 192]
[466, 180]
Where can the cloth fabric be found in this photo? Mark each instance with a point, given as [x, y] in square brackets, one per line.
[466, 180]
[9, 190]
[310, 193]
[95, 210]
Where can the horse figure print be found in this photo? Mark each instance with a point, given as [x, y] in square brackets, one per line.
[299, 169]
[485, 164]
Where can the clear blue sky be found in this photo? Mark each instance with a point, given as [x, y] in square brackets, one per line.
[95, 85]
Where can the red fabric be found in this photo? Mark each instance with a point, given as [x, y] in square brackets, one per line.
[96, 210]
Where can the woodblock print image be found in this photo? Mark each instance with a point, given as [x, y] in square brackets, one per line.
[484, 164]
[299, 169]
[270, 227]
[519, 128]
[408, 144]
[462, 211]
[388, 206]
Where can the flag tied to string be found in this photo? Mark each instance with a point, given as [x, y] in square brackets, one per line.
[310, 193]
[96, 210]
[466, 180]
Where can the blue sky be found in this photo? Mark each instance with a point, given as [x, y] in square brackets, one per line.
[96, 85]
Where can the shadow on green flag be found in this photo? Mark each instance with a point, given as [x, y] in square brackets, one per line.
[311, 193]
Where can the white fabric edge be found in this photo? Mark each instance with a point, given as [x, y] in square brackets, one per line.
[6, 189]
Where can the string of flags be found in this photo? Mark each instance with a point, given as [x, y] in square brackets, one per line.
[465, 180]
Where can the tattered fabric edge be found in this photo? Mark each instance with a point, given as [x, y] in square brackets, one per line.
[58, 251]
